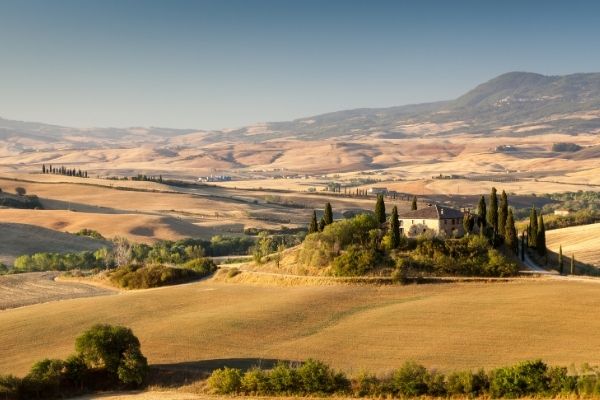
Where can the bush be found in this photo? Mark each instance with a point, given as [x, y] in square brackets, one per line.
[410, 380]
[10, 387]
[467, 383]
[226, 381]
[202, 266]
[284, 379]
[135, 277]
[355, 261]
[115, 349]
[90, 233]
[523, 379]
[316, 378]
[255, 382]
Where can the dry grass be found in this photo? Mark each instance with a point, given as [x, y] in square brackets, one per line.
[447, 326]
[40, 287]
[579, 240]
[19, 239]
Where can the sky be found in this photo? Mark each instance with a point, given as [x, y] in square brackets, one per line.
[229, 63]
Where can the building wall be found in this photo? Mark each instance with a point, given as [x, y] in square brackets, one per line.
[420, 226]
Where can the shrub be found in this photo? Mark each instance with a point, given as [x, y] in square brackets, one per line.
[115, 349]
[526, 378]
[255, 381]
[355, 261]
[10, 387]
[202, 266]
[410, 380]
[136, 277]
[467, 383]
[316, 377]
[44, 378]
[90, 233]
[225, 381]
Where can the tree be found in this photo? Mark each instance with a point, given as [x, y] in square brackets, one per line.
[510, 235]
[21, 191]
[322, 224]
[414, 203]
[481, 213]
[43, 168]
[492, 212]
[503, 212]
[572, 264]
[468, 223]
[314, 225]
[522, 246]
[263, 247]
[116, 350]
[395, 228]
[533, 227]
[380, 209]
[560, 260]
[328, 215]
[540, 243]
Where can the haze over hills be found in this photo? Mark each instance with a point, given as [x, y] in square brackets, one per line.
[515, 105]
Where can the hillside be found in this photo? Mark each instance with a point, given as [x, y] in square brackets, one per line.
[579, 240]
[208, 324]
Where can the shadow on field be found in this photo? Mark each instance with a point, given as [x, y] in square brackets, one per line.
[179, 374]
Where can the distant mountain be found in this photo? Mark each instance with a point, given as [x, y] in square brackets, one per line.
[516, 103]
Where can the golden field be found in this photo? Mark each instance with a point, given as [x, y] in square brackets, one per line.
[582, 241]
[446, 326]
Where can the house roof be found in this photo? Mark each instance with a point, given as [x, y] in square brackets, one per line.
[433, 212]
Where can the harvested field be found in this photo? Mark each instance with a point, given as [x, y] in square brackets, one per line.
[446, 326]
[39, 287]
[583, 241]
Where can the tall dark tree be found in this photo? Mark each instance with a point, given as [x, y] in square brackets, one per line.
[540, 243]
[522, 246]
[572, 264]
[533, 227]
[43, 168]
[380, 209]
[328, 215]
[468, 222]
[413, 206]
[492, 211]
[395, 228]
[314, 225]
[502, 213]
[322, 224]
[481, 213]
[561, 264]
[510, 235]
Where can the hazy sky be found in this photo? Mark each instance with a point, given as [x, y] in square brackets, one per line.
[216, 64]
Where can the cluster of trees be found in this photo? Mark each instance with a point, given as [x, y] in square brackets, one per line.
[566, 147]
[156, 275]
[106, 358]
[495, 221]
[369, 242]
[146, 178]
[536, 233]
[62, 170]
[326, 219]
[314, 378]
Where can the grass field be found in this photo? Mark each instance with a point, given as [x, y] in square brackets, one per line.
[446, 326]
[38, 287]
[579, 240]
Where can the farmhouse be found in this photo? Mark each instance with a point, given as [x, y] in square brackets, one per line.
[434, 219]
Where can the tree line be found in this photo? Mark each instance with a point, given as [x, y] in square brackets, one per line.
[314, 378]
[62, 170]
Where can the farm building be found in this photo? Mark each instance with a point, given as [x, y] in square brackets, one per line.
[435, 219]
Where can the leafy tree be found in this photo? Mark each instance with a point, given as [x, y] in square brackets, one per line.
[503, 213]
[510, 235]
[263, 247]
[492, 212]
[414, 203]
[481, 213]
[533, 227]
[115, 349]
[328, 215]
[395, 228]
[380, 209]
[314, 225]
[540, 243]
[560, 260]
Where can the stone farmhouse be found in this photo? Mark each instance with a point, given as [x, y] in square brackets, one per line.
[435, 219]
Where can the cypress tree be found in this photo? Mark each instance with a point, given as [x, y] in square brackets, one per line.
[380, 209]
[322, 224]
[43, 168]
[468, 223]
[492, 212]
[511, 239]
[395, 228]
[481, 213]
[414, 203]
[522, 246]
[560, 260]
[533, 227]
[572, 264]
[313, 227]
[540, 243]
[328, 215]
[503, 213]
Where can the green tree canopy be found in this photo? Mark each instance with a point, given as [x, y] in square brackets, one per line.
[492, 212]
[328, 215]
[503, 213]
[510, 233]
[481, 212]
[380, 209]
[395, 228]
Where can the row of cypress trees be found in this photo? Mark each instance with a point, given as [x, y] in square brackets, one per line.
[498, 219]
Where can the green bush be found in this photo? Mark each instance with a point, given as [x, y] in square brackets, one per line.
[284, 379]
[524, 379]
[410, 380]
[355, 261]
[202, 266]
[316, 377]
[226, 381]
[138, 277]
[10, 387]
[467, 383]
[256, 382]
